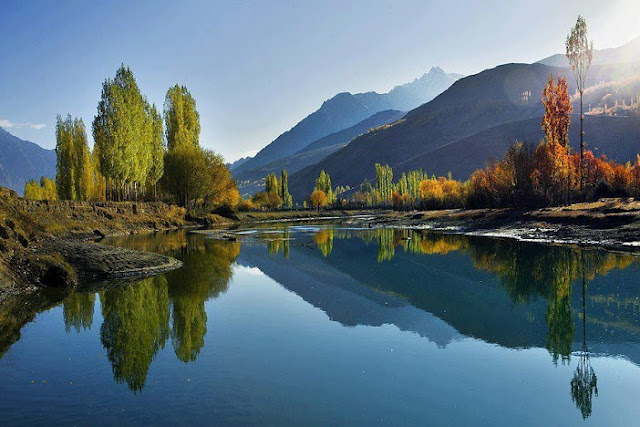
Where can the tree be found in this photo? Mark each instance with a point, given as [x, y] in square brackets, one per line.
[323, 183]
[157, 151]
[284, 194]
[552, 176]
[580, 54]
[123, 131]
[272, 189]
[182, 120]
[384, 183]
[318, 199]
[185, 171]
[65, 170]
[431, 193]
[557, 111]
[45, 190]
[83, 165]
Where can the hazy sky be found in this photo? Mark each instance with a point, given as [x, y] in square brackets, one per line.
[257, 67]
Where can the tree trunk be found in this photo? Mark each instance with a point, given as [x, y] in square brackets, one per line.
[581, 145]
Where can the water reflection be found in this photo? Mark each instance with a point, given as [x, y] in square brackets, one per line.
[135, 327]
[139, 318]
[442, 287]
[526, 273]
[584, 382]
[77, 309]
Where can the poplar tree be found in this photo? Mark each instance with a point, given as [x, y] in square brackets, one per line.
[580, 55]
[287, 201]
[181, 118]
[65, 173]
[122, 131]
[156, 169]
[323, 183]
[82, 164]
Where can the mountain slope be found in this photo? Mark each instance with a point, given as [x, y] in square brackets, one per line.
[345, 110]
[626, 53]
[505, 94]
[22, 160]
[617, 137]
[315, 151]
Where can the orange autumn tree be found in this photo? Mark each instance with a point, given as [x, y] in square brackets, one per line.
[553, 173]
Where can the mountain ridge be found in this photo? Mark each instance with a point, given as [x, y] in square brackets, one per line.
[345, 110]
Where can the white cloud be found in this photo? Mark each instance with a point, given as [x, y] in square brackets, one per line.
[9, 124]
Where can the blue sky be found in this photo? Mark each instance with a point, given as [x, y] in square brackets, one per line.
[257, 67]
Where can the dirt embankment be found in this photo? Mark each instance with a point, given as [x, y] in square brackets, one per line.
[50, 243]
[609, 223]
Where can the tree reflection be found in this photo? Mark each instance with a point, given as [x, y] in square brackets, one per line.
[324, 241]
[135, 328]
[584, 382]
[206, 274]
[281, 243]
[78, 311]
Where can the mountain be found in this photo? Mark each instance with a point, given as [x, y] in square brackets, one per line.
[22, 160]
[345, 110]
[252, 180]
[627, 53]
[241, 161]
[505, 94]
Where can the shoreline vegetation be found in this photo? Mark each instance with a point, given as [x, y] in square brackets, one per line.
[47, 244]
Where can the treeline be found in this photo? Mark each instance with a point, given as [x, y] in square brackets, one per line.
[138, 153]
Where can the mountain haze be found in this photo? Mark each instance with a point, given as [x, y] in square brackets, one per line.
[345, 110]
[251, 181]
[627, 53]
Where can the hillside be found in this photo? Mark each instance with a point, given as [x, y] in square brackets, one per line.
[22, 160]
[617, 137]
[345, 110]
[504, 94]
[627, 53]
[250, 181]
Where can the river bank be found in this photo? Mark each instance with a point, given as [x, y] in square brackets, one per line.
[612, 224]
[54, 243]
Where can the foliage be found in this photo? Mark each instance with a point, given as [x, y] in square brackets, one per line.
[318, 199]
[44, 190]
[125, 131]
[181, 118]
[74, 176]
[323, 183]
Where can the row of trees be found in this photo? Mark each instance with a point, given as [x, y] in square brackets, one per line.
[138, 152]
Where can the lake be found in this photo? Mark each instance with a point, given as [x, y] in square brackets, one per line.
[321, 324]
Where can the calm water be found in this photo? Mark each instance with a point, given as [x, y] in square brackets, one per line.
[326, 325]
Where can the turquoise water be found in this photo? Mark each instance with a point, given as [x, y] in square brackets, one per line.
[326, 325]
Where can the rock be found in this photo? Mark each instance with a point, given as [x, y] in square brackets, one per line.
[99, 234]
